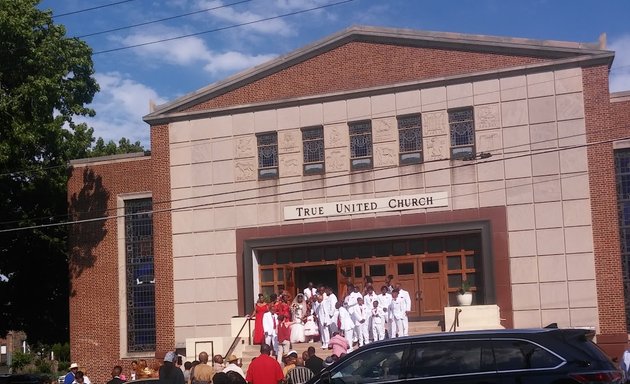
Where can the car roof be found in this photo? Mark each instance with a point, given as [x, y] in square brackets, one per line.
[487, 333]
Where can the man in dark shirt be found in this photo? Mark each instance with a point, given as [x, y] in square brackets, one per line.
[314, 363]
[169, 373]
[116, 371]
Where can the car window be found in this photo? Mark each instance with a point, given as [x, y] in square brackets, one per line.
[372, 366]
[520, 354]
[445, 358]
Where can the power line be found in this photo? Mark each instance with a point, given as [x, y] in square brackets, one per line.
[327, 177]
[223, 28]
[235, 200]
[160, 20]
[92, 8]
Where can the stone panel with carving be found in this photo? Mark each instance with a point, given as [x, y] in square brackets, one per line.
[245, 169]
[245, 146]
[385, 155]
[289, 141]
[384, 129]
[487, 116]
[434, 123]
[290, 164]
[336, 135]
[436, 148]
[337, 160]
[489, 141]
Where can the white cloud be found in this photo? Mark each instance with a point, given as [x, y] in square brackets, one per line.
[184, 51]
[119, 107]
[193, 51]
[234, 61]
[620, 71]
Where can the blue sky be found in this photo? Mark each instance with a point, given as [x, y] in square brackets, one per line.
[130, 78]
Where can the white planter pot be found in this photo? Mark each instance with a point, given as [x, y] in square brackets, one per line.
[464, 298]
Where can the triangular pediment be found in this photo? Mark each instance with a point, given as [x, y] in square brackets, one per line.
[368, 57]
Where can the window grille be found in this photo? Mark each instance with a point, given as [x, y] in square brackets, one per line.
[268, 155]
[622, 168]
[360, 145]
[313, 148]
[462, 127]
[410, 139]
[140, 276]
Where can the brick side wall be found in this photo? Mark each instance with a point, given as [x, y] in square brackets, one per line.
[599, 126]
[94, 268]
[162, 241]
[359, 65]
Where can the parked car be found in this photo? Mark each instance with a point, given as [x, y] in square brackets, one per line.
[524, 356]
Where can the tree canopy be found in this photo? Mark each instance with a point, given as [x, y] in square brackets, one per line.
[46, 82]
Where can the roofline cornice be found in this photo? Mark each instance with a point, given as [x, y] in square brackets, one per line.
[599, 59]
[455, 41]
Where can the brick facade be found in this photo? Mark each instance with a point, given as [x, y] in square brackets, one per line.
[94, 267]
[360, 65]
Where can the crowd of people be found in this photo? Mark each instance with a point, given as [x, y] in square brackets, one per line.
[316, 314]
[354, 319]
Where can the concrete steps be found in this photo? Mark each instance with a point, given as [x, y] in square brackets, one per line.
[415, 328]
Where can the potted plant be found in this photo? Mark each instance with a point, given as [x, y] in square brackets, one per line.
[464, 295]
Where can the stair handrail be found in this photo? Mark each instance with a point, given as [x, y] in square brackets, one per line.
[455, 324]
[248, 318]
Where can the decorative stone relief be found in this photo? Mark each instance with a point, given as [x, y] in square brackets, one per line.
[245, 169]
[434, 123]
[335, 135]
[436, 148]
[384, 129]
[487, 116]
[489, 141]
[289, 141]
[337, 160]
[245, 146]
[385, 155]
[290, 165]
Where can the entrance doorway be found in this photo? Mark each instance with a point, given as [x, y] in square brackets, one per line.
[431, 269]
[320, 274]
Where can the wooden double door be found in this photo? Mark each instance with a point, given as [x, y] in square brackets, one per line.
[424, 277]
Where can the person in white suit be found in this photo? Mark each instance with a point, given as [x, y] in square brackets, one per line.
[383, 301]
[322, 321]
[377, 319]
[361, 317]
[407, 299]
[397, 312]
[331, 310]
[270, 327]
[345, 324]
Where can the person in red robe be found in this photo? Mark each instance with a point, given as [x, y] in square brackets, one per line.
[259, 310]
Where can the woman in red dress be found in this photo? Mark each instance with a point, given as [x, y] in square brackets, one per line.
[260, 309]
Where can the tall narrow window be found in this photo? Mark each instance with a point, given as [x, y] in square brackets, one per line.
[313, 148]
[360, 145]
[410, 139]
[268, 155]
[622, 168]
[462, 127]
[140, 277]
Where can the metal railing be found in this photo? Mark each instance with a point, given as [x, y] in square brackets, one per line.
[247, 321]
[455, 324]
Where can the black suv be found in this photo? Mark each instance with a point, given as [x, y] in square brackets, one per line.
[524, 356]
